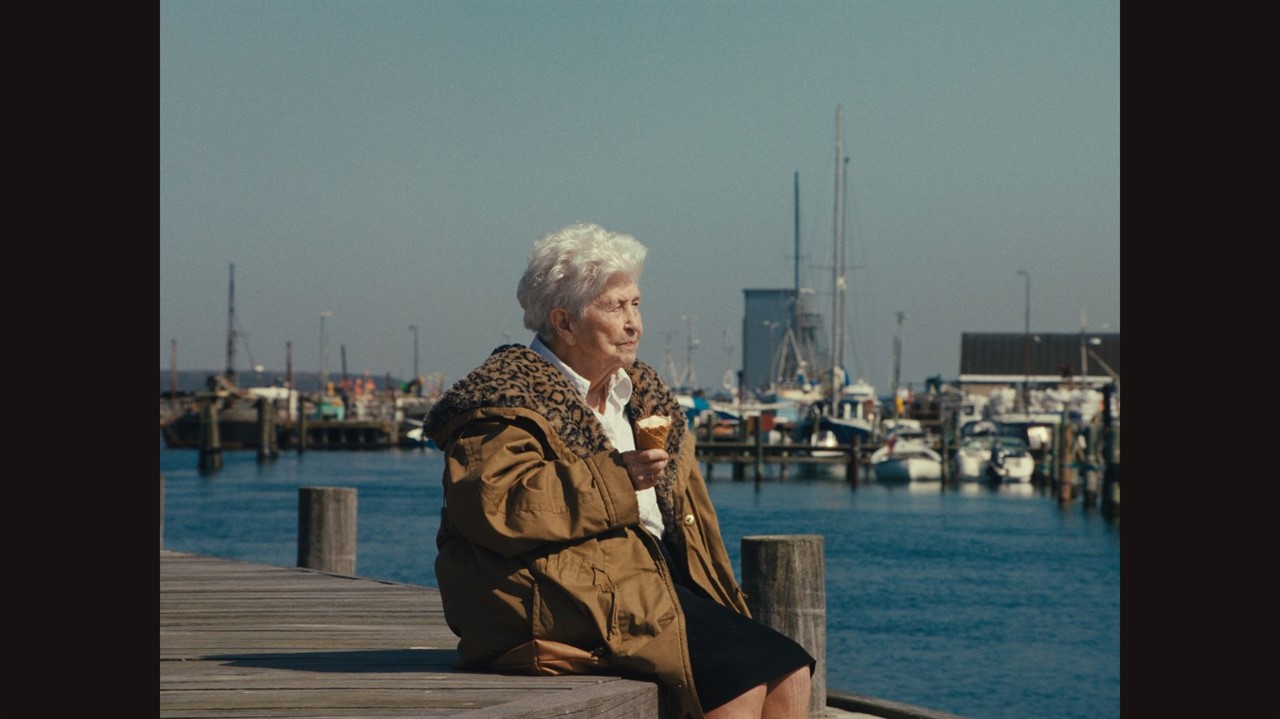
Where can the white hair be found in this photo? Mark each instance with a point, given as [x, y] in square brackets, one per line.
[570, 267]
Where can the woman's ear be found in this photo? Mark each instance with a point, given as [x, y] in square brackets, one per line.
[562, 321]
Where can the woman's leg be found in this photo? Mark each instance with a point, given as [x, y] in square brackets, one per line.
[788, 697]
[747, 705]
[782, 698]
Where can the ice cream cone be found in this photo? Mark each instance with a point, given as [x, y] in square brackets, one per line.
[651, 432]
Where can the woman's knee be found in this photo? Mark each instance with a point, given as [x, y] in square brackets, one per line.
[798, 679]
[788, 696]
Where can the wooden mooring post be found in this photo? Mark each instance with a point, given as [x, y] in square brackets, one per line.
[327, 529]
[852, 468]
[268, 443]
[1110, 457]
[1065, 461]
[210, 442]
[784, 577]
[301, 427]
[758, 422]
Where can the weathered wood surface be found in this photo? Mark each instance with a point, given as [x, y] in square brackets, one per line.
[785, 579]
[239, 639]
[327, 529]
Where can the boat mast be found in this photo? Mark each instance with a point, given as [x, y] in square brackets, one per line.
[797, 324]
[897, 360]
[837, 278]
[690, 378]
[173, 370]
[231, 328]
[797, 245]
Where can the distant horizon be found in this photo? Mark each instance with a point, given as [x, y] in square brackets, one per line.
[430, 377]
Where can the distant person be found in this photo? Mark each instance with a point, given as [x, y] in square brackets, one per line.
[563, 548]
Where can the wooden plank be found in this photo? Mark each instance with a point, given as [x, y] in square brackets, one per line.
[603, 701]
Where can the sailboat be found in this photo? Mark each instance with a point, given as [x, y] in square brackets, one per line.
[848, 411]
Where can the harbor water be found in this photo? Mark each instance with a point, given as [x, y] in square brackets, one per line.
[986, 602]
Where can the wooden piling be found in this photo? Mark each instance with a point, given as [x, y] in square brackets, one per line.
[268, 446]
[1050, 458]
[327, 529]
[784, 578]
[759, 446]
[1066, 454]
[302, 429]
[851, 469]
[162, 511]
[944, 446]
[1110, 457]
[210, 442]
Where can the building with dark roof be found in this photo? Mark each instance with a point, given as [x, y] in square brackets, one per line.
[1041, 359]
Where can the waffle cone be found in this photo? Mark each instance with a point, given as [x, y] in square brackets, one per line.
[651, 432]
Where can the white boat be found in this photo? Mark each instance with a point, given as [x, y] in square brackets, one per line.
[906, 460]
[993, 458]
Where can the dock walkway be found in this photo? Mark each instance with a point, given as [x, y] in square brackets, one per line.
[239, 639]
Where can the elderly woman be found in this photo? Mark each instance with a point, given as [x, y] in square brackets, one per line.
[563, 548]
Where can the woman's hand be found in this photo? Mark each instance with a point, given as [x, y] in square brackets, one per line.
[645, 466]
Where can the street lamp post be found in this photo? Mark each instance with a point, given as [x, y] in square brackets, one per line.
[324, 353]
[415, 350]
[1026, 344]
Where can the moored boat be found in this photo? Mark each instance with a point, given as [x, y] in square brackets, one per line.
[851, 418]
[906, 460]
[994, 458]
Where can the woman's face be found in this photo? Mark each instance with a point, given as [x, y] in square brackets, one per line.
[607, 335]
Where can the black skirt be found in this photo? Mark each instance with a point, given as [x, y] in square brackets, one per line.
[730, 653]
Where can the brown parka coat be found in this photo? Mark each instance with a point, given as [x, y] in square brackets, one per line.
[540, 536]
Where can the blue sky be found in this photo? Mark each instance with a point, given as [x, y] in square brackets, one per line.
[391, 163]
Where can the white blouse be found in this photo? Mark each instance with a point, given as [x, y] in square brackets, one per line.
[616, 426]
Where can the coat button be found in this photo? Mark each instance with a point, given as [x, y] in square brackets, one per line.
[688, 519]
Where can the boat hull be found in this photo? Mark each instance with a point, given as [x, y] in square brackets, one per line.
[980, 469]
[906, 460]
[907, 469]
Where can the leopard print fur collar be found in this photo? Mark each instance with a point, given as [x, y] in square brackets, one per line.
[516, 376]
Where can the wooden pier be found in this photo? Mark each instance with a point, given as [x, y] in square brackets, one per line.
[752, 457]
[240, 639]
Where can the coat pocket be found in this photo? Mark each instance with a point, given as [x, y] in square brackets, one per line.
[574, 600]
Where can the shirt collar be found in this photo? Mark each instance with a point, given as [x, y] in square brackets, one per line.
[619, 386]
